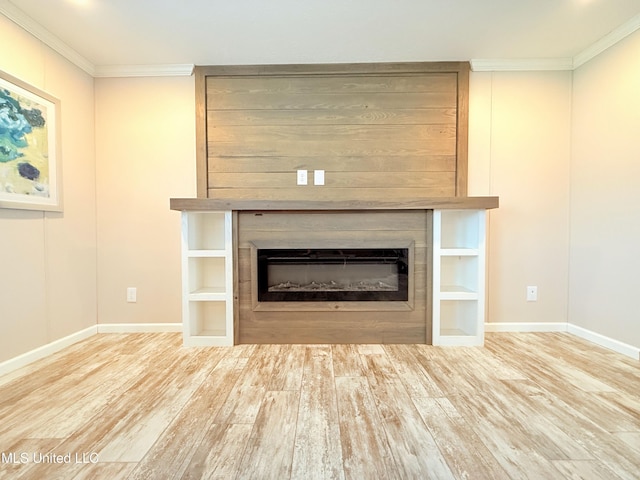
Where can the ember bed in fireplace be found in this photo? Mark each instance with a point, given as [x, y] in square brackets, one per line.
[351, 274]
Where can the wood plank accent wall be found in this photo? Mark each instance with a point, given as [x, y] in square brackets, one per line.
[394, 131]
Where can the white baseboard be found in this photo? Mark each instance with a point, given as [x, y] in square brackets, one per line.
[606, 342]
[57, 345]
[139, 327]
[526, 327]
[588, 335]
[20, 361]
[45, 350]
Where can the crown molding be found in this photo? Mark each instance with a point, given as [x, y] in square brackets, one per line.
[607, 41]
[21, 19]
[521, 65]
[172, 70]
[17, 16]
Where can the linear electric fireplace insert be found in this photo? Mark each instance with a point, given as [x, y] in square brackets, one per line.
[316, 275]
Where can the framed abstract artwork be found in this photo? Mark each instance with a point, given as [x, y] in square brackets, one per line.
[30, 160]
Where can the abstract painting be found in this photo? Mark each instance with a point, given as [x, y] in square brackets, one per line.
[30, 163]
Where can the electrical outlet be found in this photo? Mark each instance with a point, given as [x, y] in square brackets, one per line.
[132, 294]
[318, 177]
[302, 177]
[532, 293]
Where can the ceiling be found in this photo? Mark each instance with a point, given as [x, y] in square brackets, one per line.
[102, 33]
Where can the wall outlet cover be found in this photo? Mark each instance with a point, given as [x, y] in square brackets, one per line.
[132, 294]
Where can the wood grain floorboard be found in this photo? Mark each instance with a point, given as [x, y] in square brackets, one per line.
[584, 469]
[270, 449]
[538, 405]
[219, 452]
[414, 449]
[287, 371]
[459, 444]
[317, 450]
[244, 401]
[174, 448]
[365, 449]
[346, 361]
[112, 471]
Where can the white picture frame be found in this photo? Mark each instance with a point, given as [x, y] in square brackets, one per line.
[30, 160]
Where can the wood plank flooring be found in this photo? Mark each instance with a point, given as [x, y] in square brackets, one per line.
[141, 406]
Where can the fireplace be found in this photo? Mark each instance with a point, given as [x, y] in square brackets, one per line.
[349, 275]
[335, 276]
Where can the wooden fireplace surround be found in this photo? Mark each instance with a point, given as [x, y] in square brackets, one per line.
[392, 141]
[343, 223]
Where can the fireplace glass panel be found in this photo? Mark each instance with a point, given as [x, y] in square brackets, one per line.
[332, 275]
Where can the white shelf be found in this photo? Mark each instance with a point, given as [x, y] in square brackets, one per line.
[458, 277]
[453, 332]
[216, 294]
[206, 230]
[457, 292]
[459, 252]
[207, 279]
[206, 273]
[461, 271]
[457, 338]
[206, 253]
[460, 229]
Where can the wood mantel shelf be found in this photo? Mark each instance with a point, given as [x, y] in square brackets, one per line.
[430, 203]
[445, 242]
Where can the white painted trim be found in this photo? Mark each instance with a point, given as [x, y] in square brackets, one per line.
[593, 337]
[113, 71]
[610, 343]
[21, 19]
[525, 327]
[541, 64]
[139, 327]
[45, 350]
[521, 65]
[607, 41]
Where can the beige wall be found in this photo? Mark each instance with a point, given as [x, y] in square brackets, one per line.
[519, 149]
[48, 260]
[605, 194]
[145, 143]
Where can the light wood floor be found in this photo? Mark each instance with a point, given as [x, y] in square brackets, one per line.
[538, 406]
